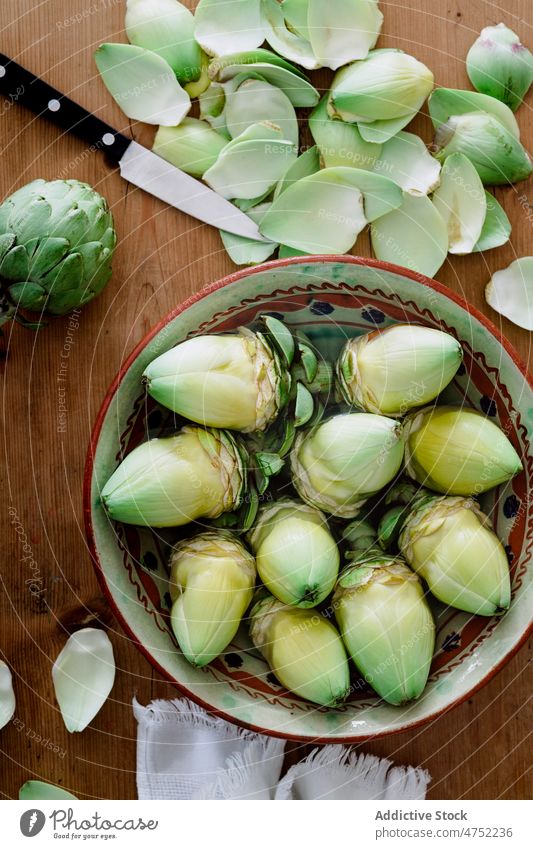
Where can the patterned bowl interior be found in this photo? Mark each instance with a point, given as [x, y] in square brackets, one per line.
[330, 300]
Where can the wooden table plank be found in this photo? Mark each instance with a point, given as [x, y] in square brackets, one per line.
[479, 750]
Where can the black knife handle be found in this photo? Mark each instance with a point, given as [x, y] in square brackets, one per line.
[23, 87]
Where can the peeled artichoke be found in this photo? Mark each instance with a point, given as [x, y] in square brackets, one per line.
[391, 371]
[172, 481]
[449, 542]
[458, 451]
[386, 625]
[303, 649]
[212, 578]
[297, 557]
[342, 462]
[233, 381]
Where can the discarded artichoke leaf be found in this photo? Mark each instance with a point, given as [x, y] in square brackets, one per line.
[167, 28]
[461, 201]
[295, 14]
[339, 142]
[322, 213]
[296, 86]
[406, 160]
[510, 292]
[380, 194]
[341, 31]
[252, 163]
[142, 83]
[285, 41]
[197, 87]
[228, 27]
[306, 164]
[83, 676]
[212, 103]
[41, 791]
[7, 694]
[379, 132]
[193, 146]
[414, 236]
[255, 101]
[381, 93]
[244, 251]
[246, 204]
[497, 156]
[285, 252]
[496, 227]
[500, 66]
[444, 103]
[237, 63]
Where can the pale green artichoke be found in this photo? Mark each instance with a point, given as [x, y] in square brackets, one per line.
[56, 245]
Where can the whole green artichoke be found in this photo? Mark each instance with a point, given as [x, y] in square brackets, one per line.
[56, 245]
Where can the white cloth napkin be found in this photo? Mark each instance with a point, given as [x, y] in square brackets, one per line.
[184, 753]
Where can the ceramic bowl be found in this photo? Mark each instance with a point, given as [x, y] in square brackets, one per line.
[329, 297]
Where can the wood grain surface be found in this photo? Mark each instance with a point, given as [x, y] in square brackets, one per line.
[478, 750]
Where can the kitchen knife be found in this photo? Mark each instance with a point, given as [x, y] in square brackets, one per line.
[137, 164]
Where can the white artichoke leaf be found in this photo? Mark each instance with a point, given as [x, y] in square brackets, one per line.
[379, 132]
[262, 64]
[406, 160]
[142, 83]
[444, 103]
[245, 204]
[39, 791]
[496, 227]
[500, 66]
[252, 163]
[510, 292]
[228, 26]
[83, 676]
[255, 101]
[340, 142]
[381, 93]
[285, 41]
[285, 252]
[193, 146]
[341, 31]
[7, 695]
[381, 195]
[414, 236]
[212, 104]
[167, 28]
[322, 213]
[307, 163]
[462, 203]
[295, 13]
[244, 251]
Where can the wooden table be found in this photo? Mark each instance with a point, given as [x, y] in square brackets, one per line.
[479, 750]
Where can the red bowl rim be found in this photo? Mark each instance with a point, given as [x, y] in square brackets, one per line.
[97, 428]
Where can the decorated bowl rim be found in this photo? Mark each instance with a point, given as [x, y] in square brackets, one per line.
[204, 292]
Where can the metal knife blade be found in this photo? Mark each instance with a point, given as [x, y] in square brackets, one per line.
[148, 171]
